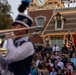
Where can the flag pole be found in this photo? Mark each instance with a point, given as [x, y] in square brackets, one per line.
[75, 40]
[68, 39]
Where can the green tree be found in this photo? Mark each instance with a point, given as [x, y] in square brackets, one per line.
[5, 17]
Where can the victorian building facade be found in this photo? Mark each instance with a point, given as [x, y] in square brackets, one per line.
[56, 20]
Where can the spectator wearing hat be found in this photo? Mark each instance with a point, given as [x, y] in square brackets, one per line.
[20, 50]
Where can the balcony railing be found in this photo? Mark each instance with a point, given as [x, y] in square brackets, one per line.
[64, 9]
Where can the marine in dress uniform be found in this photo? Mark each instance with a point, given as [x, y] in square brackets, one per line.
[20, 50]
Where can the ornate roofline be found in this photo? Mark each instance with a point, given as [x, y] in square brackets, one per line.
[65, 9]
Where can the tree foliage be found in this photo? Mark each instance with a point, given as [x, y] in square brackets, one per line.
[5, 17]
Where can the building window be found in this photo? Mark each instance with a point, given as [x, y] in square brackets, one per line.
[59, 21]
[59, 24]
[40, 20]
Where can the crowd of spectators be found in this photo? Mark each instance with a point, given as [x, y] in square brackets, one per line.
[53, 61]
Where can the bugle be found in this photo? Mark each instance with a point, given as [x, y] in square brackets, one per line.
[13, 30]
[30, 34]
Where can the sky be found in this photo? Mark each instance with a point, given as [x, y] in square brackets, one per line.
[14, 5]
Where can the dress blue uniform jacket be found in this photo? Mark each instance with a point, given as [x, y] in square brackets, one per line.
[21, 67]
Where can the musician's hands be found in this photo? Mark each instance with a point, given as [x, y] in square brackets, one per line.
[10, 36]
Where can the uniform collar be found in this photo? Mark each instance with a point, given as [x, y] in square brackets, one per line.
[21, 39]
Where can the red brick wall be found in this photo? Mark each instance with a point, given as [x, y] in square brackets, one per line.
[46, 13]
[34, 14]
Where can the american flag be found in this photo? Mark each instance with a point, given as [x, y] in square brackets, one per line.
[69, 42]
